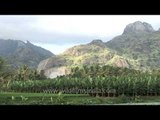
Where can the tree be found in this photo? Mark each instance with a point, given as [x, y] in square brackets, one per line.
[6, 73]
[42, 74]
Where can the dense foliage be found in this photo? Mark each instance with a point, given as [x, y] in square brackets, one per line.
[100, 80]
[5, 72]
[94, 80]
[9, 75]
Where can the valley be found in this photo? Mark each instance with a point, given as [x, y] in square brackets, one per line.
[124, 69]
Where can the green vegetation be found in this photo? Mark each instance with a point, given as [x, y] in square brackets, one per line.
[95, 80]
[9, 75]
[39, 98]
[69, 99]
[6, 73]
[123, 70]
[141, 48]
[93, 53]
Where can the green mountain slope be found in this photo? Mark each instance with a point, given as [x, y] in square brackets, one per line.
[95, 52]
[139, 42]
[136, 48]
[17, 53]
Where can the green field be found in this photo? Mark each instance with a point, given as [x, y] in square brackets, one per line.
[48, 99]
[7, 98]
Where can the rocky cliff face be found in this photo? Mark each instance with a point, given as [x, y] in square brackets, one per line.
[54, 61]
[56, 71]
[54, 66]
[138, 26]
[120, 62]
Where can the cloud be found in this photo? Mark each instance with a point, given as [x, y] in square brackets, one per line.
[54, 27]
[36, 29]
[67, 30]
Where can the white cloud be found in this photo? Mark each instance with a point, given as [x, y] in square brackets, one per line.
[98, 25]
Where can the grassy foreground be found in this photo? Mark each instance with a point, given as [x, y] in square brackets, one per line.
[7, 98]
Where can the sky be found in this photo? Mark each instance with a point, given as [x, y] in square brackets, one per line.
[60, 32]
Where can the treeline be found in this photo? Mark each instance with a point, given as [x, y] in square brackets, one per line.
[9, 74]
[103, 71]
[24, 73]
[96, 80]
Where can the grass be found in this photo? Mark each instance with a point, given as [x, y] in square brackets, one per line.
[8, 98]
[149, 99]
[37, 94]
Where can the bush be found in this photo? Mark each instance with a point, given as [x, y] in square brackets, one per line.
[137, 99]
[124, 99]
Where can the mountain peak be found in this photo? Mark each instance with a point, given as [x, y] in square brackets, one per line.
[18, 53]
[97, 42]
[28, 42]
[137, 27]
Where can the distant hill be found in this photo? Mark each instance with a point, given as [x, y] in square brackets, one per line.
[18, 53]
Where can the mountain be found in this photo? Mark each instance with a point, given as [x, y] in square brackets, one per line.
[95, 52]
[18, 53]
[140, 42]
[137, 27]
[136, 48]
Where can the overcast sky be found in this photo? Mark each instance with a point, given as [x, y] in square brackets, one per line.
[57, 33]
